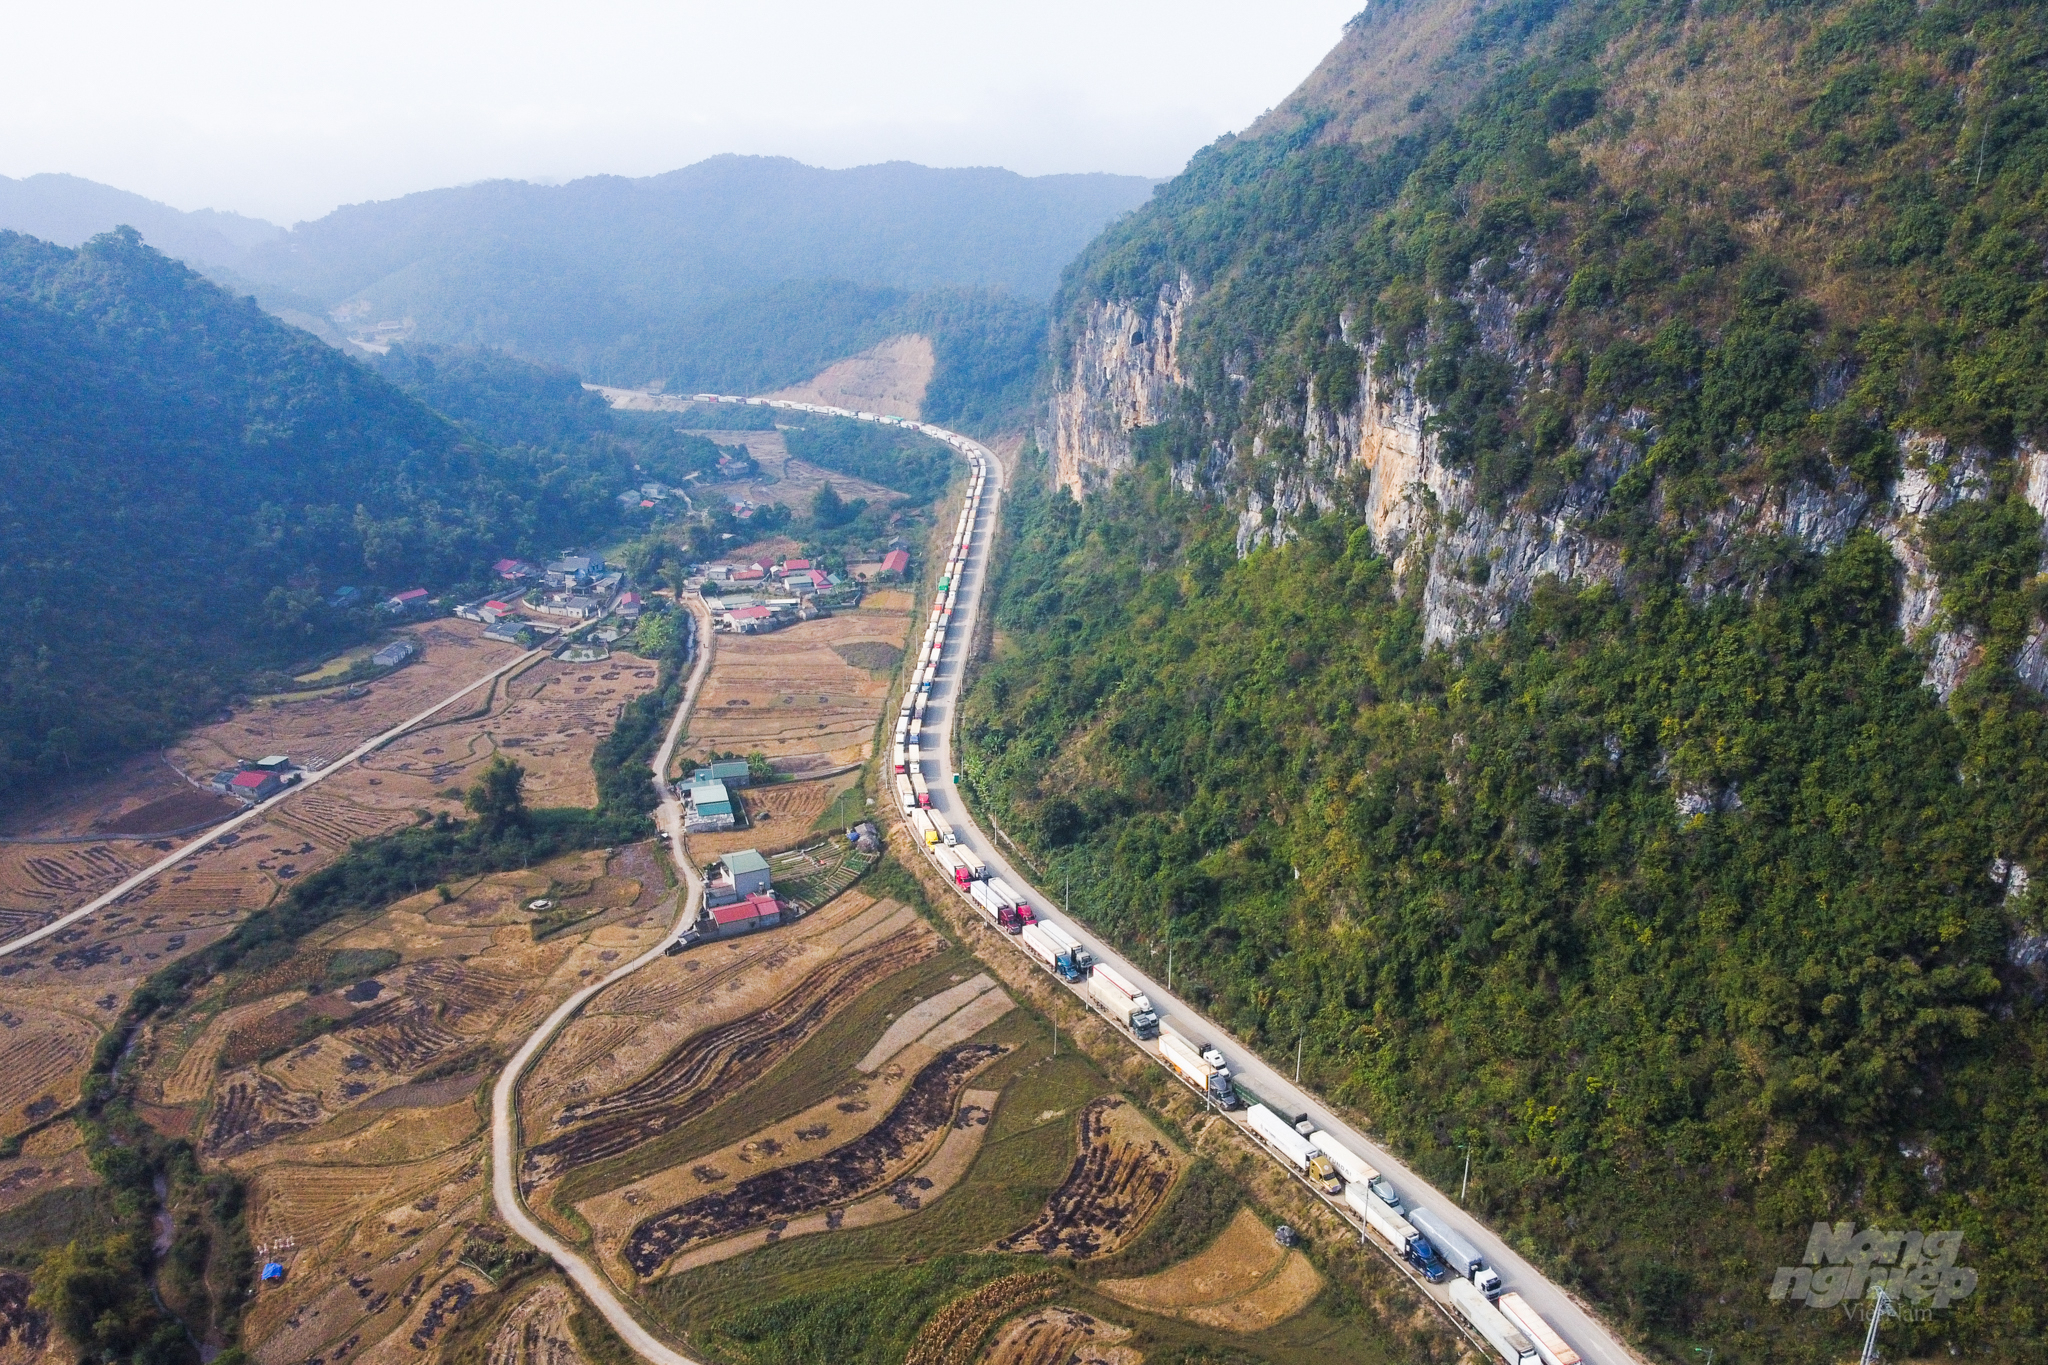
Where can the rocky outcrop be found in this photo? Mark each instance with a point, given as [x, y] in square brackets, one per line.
[1125, 367]
[1376, 456]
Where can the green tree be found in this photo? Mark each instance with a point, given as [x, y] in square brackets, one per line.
[495, 797]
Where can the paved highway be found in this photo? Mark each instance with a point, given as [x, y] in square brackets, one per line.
[1593, 1340]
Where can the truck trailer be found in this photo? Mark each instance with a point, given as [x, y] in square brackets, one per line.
[1071, 946]
[922, 824]
[994, 906]
[1355, 1169]
[1413, 1246]
[977, 870]
[1295, 1149]
[1122, 1001]
[1459, 1254]
[941, 828]
[1041, 946]
[1549, 1345]
[906, 795]
[951, 867]
[1181, 1058]
[1502, 1335]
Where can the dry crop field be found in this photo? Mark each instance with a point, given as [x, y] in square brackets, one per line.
[347, 1086]
[784, 478]
[56, 997]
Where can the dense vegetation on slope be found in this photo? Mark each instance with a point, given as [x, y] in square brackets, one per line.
[189, 481]
[1677, 910]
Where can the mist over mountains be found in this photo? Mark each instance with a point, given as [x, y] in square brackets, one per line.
[736, 273]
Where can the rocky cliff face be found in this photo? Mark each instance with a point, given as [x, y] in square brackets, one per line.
[1125, 369]
[1377, 454]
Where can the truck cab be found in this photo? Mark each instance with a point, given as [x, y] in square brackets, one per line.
[1423, 1257]
[1068, 968]
[1383, 1190]
[1145, 1023]
[1222, 1091]
[1324, 1174]
[1024, 915]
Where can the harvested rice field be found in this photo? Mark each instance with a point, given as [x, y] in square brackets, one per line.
[792, 694]
[1242, 1282]
[1060, 1336]
[345, 1085]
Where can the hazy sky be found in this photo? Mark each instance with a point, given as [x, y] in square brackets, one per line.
[285, 110]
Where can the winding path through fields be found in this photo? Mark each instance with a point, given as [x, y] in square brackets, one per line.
[1594, 1341]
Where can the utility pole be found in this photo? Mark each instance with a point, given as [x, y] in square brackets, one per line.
[1880, 1310]
[1297, 1058]
[1462, 1184]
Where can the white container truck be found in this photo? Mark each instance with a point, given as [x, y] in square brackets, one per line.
[1017, 902]
[976, 868]
[1181, 1058]
[941, 828]
[1549, 1345]
[906, 795]
[922, 824]
[949, 866]
[1122, 1001]
[1069, 945]
[1041, 946]
[1355, 1169]
[1404, 1238]
[1502, 1335]
[1460, 1255]
[1293, 1148]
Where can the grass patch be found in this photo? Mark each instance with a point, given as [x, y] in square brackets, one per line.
[50, 1220]
[876, 656]
[1195, 1213]
[818, 1067]
[848, 808]
[347, 966]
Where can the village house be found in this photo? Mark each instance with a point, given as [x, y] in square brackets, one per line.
[395, 653]
[734, 772]
[628, 606]
[407, 600]
[896, 562]
[708, 806]
[736, 876]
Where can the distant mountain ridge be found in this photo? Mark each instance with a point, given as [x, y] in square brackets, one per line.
[737, 273]
[68, 210]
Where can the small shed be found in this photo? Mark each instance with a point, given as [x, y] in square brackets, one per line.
[394, 654]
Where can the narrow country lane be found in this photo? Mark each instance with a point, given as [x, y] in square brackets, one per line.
[504, 1128]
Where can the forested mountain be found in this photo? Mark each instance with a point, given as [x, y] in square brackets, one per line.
[736, 273]
[1536, 591]
[189, 481]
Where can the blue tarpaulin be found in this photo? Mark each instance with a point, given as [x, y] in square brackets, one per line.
[273, 1271]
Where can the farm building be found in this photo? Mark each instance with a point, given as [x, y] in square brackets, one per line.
[896, 562]
[755, 912]
[255, 785]
[512, 569]
[394, 654]
[405, 601]
[511, 633]
[740, 875]
[734, 772]
[575, 606]
[628, 607]
[710, 806]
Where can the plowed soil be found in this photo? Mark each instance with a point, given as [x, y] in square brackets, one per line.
[837, 1177]
[713, 1064]
[536, 1331]
[1060, 1336]
[1121, 1176]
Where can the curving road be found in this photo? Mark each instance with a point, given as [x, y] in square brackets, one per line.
[504, 1128]
[1593, 1340]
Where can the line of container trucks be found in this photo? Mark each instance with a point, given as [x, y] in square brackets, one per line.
[1510, 1326]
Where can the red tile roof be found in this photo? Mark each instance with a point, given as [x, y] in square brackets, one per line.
[410, 595]
[250, 779]
[792, 565]
[896, 561]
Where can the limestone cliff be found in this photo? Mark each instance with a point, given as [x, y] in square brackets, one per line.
[1378, 455]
